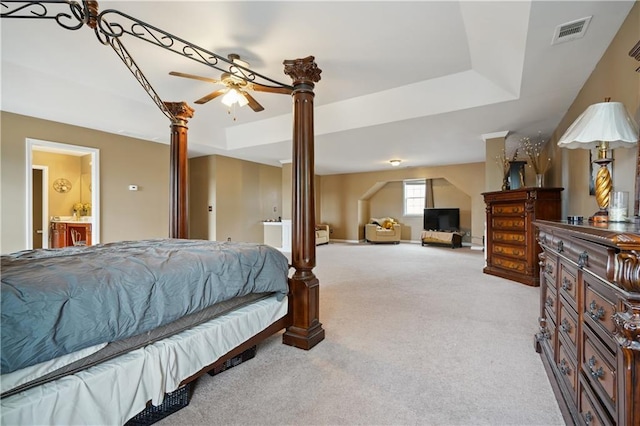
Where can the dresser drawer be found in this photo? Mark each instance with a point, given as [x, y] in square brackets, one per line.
[508, 237]
[590, 256]
[548, 338]
[550, 304]
[508, 222]
[599, 307]
[507, 209]
[568, 327]
[553, 242]
[510, 264]
[568, 287]
[598, 365]
[518, 252]
[549, 268]
[567, 368]
[591, 411]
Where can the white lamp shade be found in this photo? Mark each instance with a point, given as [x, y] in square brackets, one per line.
[603, 122]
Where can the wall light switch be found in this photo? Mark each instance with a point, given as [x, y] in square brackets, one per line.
[133, 187]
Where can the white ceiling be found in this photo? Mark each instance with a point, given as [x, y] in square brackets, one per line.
[420, 81]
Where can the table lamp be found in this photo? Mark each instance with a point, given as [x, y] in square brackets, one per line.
[606, 125]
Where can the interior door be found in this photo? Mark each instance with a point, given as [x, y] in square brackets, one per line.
[37, 207]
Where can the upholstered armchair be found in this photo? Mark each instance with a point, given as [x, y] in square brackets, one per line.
[382, 231]
[322, 234]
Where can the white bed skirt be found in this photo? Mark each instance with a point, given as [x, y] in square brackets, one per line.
[114, 391]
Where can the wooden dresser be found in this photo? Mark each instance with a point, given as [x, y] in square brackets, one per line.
[511, 247]
[589, 336]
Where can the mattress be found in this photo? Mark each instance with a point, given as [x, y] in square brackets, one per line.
[68, 299]
[140, 375]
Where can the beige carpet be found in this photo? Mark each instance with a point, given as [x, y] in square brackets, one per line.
[414, 336]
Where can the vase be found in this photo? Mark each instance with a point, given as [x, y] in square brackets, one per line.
[539, 180]
[505, 183]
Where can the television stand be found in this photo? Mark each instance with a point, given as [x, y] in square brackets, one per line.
[452, 239]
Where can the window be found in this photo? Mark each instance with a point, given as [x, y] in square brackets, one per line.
[414, 193]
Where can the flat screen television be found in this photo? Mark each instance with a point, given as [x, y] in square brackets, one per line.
[439, 219]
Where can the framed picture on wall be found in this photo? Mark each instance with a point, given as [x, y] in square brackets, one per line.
[593, 168]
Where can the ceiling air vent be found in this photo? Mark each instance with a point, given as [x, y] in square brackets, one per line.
[571, 30]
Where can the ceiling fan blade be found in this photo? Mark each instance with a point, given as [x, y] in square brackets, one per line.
[253, 104]
[195, 77]
[211, 95]
[261, 88]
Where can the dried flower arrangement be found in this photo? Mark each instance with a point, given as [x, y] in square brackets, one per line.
[533, 151]
[504, 163]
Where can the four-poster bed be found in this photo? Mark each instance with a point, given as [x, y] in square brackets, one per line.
[163, 363]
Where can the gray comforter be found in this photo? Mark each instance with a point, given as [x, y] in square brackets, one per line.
[55, 302]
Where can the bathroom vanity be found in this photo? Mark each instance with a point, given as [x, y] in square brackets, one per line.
[60, 232]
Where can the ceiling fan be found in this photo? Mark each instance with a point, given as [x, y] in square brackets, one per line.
[237, 85]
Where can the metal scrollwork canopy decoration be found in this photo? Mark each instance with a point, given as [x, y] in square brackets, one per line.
[111, 25]
[73, 19]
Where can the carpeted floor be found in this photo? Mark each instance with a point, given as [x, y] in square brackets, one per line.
[414, 336]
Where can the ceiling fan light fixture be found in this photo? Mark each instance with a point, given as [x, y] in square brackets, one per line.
[231, 97]
[242, 100]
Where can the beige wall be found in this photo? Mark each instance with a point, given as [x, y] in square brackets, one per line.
[202, 194]
[613, 77]
[494, 172]
[242, 194]
[346, 198]
[287, 189]
[125, 215]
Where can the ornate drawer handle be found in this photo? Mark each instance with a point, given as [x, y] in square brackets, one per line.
[549, 302]
[566, 284]
[565, 326]
[564, 368]
[596, 313]
[595, 373]
[588, 418]
[583, 258]
[543, 330]
[560, 246]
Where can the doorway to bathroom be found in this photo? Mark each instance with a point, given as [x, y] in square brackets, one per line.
[60, 177]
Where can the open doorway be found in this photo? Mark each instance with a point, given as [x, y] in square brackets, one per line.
[86, 181]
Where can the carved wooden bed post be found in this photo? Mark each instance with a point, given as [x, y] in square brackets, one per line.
[179, 215]
[306, 330]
